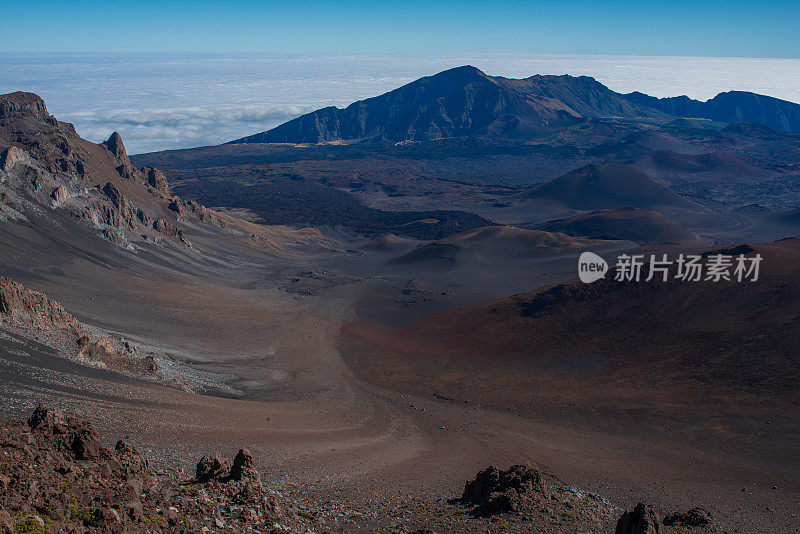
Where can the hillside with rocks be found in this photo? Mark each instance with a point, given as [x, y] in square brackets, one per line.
[45, 165]
[57, 476]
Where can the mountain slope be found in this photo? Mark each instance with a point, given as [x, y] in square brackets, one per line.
[606, 186]
[710, 167]
[493, 244]
[675, 330]
[635, 224]
[45, 163]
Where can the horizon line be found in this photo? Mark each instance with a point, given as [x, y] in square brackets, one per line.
[392, 54]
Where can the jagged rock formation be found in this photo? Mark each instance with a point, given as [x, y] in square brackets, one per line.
[44, 163]
[32, 313]
[57, 477]
[20, 305]
[464, 101]
[535, 495]
[215, 467]
[494, 491]
[115, 146]
[641, 520]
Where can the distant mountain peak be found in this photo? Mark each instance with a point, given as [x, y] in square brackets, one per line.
[465, 101]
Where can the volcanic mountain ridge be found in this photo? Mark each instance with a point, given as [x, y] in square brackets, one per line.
[465, 101]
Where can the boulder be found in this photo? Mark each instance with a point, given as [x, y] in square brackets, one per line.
[59, 195]
[211, 468]
[131, 462]
[85, 441]
[243, 468]
[641, 520]
[495, 491]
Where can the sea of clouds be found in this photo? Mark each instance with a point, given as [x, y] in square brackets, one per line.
[168, 101]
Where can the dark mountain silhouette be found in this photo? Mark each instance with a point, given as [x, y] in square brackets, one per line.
[465, 101]
[457, 102]
[606, 186]
[729, 107]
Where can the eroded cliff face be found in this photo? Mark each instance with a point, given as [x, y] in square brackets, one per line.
[45, 165]
[33, 314]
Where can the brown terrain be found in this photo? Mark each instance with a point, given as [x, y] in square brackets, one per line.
[634, 224]
[341, 327]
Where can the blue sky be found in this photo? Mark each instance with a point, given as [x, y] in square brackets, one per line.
[704, 28]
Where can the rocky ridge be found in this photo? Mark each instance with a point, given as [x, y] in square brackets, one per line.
[45, 165]
[464, 101]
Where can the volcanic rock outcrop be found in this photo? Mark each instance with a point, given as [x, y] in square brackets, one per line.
[57, 477]
[643, 519]
[45, 163]
[494, 491]
[535, 496]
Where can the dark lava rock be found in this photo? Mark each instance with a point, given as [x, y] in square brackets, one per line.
[212, 468]
[85, 442]
[243, 467]
[641, 520]
[494, 491]
[53, 420]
